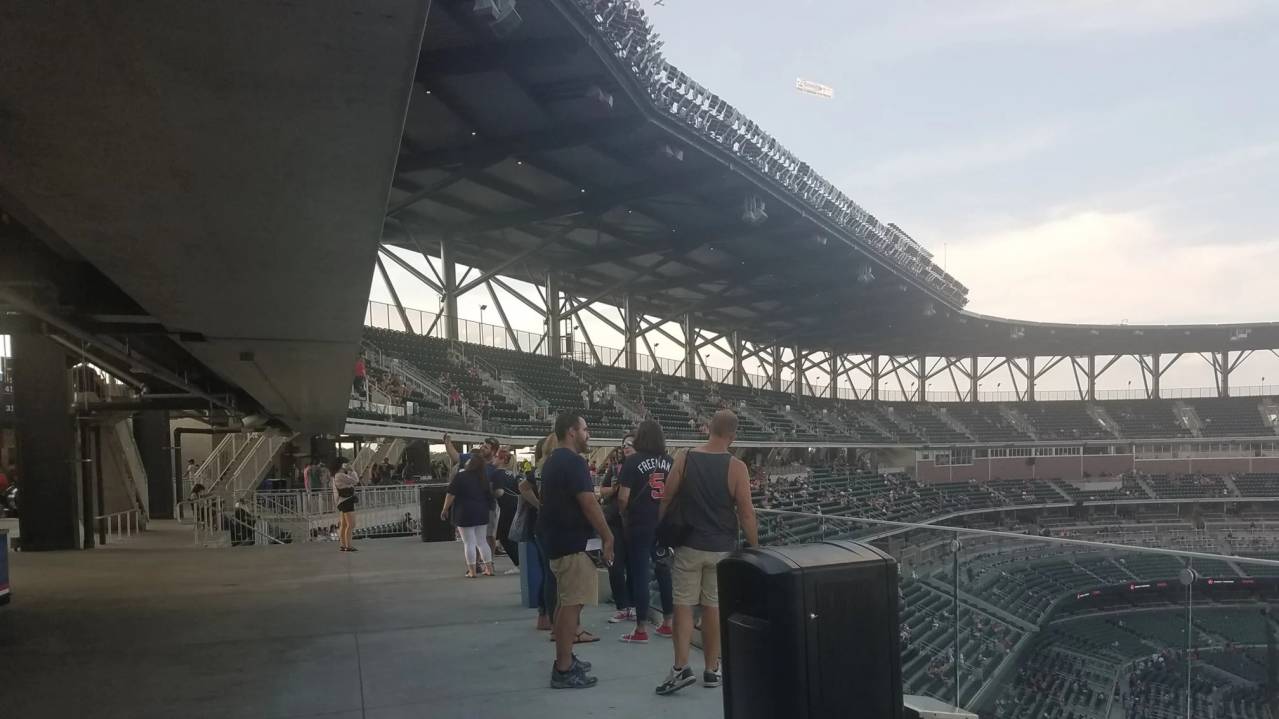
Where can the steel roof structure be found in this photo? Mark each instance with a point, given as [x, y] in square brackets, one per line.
[568, 147]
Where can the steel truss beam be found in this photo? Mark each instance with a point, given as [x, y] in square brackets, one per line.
[395, 296]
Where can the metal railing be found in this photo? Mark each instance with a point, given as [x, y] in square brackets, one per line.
[976, 605]
[384, 316]
[252, 463]
[282, 516]
[219, 461]
[119, 525]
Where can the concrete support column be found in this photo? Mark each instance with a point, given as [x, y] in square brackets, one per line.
[973, 379]
[1092, 378]
[921, 377]
[799, 373]
[1155, 373]
[553, 342]
[1030, 379]
[736, 343]
[629, 324]
[690, 348]
[777, 368]
[874, 378]
[151, 433]
[450, 287]
[833, 371]
[1223, 388]
[47, 445]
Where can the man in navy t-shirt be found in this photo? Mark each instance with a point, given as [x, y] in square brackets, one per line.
[565, 522]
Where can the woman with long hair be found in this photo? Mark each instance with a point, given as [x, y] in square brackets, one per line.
[344, 498]
[639, 496]
[617, 579]
[471, 491]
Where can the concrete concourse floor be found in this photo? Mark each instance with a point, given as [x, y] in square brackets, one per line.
[157, 628]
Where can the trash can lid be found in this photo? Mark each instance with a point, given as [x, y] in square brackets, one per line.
[777, 560]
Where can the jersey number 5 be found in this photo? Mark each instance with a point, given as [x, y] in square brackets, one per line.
[657, 483]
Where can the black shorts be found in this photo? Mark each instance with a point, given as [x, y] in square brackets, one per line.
[347, 505]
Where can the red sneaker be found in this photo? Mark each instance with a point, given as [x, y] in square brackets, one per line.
[635, 638]
[626, 615]
[665, 631]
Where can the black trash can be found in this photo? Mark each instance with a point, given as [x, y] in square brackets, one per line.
[434, 529]
[810, 632]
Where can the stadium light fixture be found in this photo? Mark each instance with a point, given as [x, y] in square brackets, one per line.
[753, 212]
[865, 274]
[930, 310]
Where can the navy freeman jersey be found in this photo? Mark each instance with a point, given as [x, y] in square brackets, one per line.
[645, 475]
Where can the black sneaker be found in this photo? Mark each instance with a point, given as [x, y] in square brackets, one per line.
[574, 678]
[676, 680]
[712, 679]
[585, 665]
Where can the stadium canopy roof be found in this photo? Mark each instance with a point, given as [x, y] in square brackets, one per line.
[568, 145]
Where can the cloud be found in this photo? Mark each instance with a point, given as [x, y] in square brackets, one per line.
[1120, 16]
[906, 30]
[956, 159]
[1094, 266]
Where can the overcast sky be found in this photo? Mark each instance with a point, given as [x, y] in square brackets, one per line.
[1084, 161]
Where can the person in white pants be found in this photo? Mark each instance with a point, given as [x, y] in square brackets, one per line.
[473, 496]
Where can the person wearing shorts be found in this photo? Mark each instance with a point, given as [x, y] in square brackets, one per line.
[344, 483]
[711, 489]
[568, 517]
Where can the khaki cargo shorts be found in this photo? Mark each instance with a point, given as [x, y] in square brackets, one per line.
[693, 577]
[576, 579]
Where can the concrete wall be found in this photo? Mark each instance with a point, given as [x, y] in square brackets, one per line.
[1069, 468]
[194, 446]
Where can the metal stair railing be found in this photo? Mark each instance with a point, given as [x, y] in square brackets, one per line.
[219, 461]
[366, 457]
[253, 464]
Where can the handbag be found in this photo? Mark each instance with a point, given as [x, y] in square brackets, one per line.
[673, 529]
[521, 529]
[345, 493]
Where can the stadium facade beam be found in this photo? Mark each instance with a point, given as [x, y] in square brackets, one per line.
[874, 377]
[417, 274]
[735, 341]
[798, 370]
[552, 313]
[501, 312]
[512, 259]
[973, 379]
[1030, 378]
[628, 333]
[395, 296]
[832, 371]
[690, 347]
[449, 289]
[921, 377]
[1092, 378]
[777, 367]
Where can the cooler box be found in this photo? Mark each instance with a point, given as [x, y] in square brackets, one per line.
[810, 631]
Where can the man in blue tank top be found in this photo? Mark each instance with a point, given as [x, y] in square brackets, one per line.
[709, 489]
